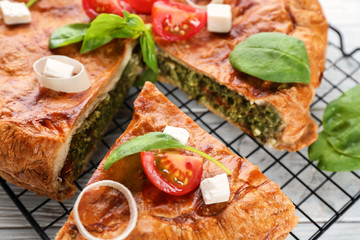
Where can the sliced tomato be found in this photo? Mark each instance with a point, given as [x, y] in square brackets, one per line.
[172, 172]
[142, 6]
[94, 7]
[174, 21]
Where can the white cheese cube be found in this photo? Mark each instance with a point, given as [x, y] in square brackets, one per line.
[215, 189]
[58, 69]
[180, 134]
[15, 13]
[219, 18]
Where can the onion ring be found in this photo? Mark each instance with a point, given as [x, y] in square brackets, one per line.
[129, 198]
[77, 83]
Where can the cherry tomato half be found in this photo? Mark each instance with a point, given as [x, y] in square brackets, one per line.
[174, 21]
[94, 7]
[142, 6]
[172, 172]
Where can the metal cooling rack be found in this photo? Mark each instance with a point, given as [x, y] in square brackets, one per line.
[320, 197]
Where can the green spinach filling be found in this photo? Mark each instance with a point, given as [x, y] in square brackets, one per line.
[262, 121]
[92, 129]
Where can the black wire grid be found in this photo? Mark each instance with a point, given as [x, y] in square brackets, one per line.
[320, 197]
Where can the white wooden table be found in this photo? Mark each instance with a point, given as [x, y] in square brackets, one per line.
[345, 15]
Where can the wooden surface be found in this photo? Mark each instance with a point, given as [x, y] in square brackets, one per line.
[344, 15]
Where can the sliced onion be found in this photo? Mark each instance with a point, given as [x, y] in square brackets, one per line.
[129, 198]
[77, 83]
[203, 7]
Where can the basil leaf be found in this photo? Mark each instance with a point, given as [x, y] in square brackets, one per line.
[274, 57]
[134, 21]
[68, 34]
[147, 142]
[147, 44]
[347, 141]
[148, 75]
[102, 30]
[342, 123]
[133, 28]
[105, 28]
[338, 146]
[153, 141]
[329, 159]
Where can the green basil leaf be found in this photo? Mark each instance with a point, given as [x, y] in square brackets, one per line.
[347, 141]
[102, 30]
[68, 34]
[105, 28]
[147, 44]
[133, 28]
[153, 141]
[147, 142]
[329, 159]
[134, 21]
[148, 75]
[342, 122]
[338, 146]
[274, 57]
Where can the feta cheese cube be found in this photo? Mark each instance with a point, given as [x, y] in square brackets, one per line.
[15, 13]
[215, 189]
[219, 18]
[58, 69]
[180, 134]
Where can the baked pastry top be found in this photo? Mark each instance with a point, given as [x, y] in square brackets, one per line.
[208, 55]
[257, 209]
[36, 124]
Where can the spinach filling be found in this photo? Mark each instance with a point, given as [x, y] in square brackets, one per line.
[262, 121]
[92, 129]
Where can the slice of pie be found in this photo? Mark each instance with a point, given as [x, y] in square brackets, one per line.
[257, 209]
[275, 114]
[46, 137]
